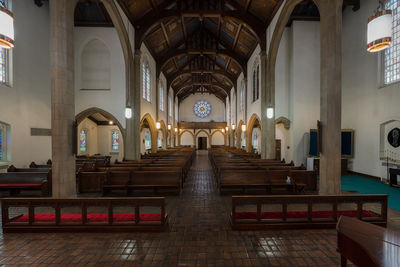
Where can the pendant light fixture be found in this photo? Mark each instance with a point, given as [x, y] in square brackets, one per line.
[379, 32]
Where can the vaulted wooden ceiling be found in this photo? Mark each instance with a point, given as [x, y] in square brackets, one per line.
[201, 46]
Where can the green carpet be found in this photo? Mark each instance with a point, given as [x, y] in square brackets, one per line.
[364, 185]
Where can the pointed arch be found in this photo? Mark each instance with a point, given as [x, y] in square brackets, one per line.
[153, 130]
[254, 121]
[180, 136]
[218, 131]
[239, 134]
[164, 131]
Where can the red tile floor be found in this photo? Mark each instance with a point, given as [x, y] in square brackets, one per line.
[199, 235]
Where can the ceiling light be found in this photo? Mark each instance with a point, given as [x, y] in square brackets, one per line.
[6, 28]
[379, 32]
[128, 112]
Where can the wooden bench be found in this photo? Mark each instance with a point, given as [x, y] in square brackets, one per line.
[116, 180]
[14, 182]
[155, 180]
[302, 211]
[75, 215]
[12, 168]
[365, 244]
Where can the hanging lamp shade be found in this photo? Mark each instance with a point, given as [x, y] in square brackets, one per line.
[6, 28]
[379, 33]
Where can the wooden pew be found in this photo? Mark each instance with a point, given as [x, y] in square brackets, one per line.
[14, 182]
[91, 182]
[365, 244]
[116, 180]
[297, 212]
[155, 180]
[60, 218]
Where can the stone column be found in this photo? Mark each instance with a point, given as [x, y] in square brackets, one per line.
[331, 87]
[132, 144]
[267, 101]
[62, 97]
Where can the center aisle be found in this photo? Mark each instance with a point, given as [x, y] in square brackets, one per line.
[200, 219]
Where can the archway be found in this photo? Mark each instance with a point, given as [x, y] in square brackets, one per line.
[186, 138]
[162, 136]
[202, 143]
[147, 125]
[218, 138]
[99, 132]
[253, 134]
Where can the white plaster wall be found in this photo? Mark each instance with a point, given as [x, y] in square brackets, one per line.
[186, 139]
[304, 87]
[104, 135]
[253, 107]
[26, 103]
[282, 76]
[283, 134]
[149, 107]
[364, 105]
[186, 112]
[112, 101]
[218, 139]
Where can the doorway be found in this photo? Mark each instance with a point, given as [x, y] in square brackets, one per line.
[202, 143]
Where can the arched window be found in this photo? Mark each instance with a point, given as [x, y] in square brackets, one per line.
[115, 140]
[147, 139]
[242, 100]
[256, 82]
[161, 97]
[83, 141]
[392, 59]
[146, 80]
[159, 140]
[5, 54]
[170, 106]
[243, 145]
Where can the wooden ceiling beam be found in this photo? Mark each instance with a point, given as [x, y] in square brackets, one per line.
[227, 75]
[152, 19]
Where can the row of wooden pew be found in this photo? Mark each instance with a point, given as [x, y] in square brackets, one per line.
[238, 171]
[163, 170]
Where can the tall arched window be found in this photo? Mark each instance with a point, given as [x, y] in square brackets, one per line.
[256, 82]
[170, 106]
[392, 59]
[83, 141]
[5, 54]
[115, 140]
[147, 139]
[161, 97]
[242, 98]
[146, 83]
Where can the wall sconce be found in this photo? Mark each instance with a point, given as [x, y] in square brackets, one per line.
[226, 128]
[223, 130]
[169, 127]
[158, 125]
[128, 112]
[176, 129]
[111, 122]
[270, 113]
[243, 127]
[233, 126]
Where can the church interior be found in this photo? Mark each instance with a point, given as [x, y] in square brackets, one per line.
[200, 133]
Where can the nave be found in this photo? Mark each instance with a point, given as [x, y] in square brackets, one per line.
[199, 235]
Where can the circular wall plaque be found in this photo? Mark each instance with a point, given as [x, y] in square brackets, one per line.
[394, 137]
[202, 109]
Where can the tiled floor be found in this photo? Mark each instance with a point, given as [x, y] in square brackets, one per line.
[199, 235]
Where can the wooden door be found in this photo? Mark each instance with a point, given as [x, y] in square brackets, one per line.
[278, 153]
[202, 143]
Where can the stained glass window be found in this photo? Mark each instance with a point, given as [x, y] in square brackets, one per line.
[3, 3]
[255, 139]
[1, 144]
[147, 140]
[243, 140]
[83, 141]
[202, 109]
[159, 140]
[392, 54]
[256, 82]
[115, 140]
[146, 80]
[3, 65]
[170, 106]
[161, 97]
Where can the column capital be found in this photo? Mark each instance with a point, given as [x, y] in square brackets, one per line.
[263, 53]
